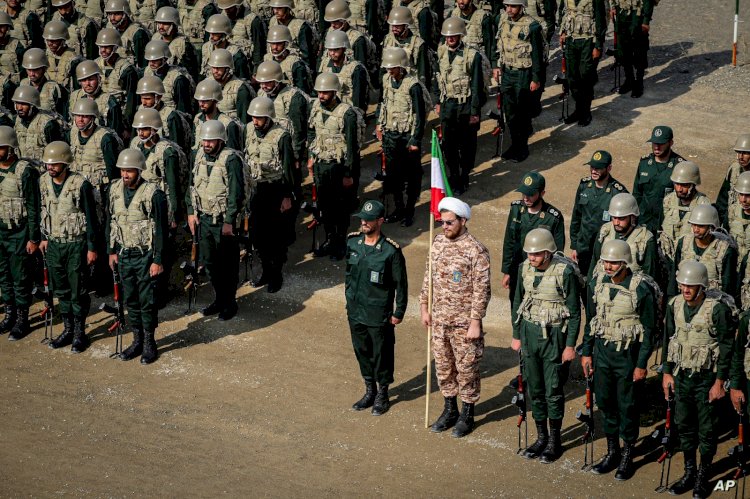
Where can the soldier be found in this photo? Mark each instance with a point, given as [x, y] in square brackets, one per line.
[302, 32]
[401, 35]
[401, 120]
[208, 94]
[460, 295]
[296, 71]
[653, 177]
[194, 14]
[214, 203]
[237, 92]
[248, 29]
[219, 29]
[460, 83]
[268, 152]
[19, 234]
[51, 95]
[543, 11]
[145, 12]
[337, 13]
[12, 50]
[334, 160]
[619, 334]
[583, 27]
[590, 210]
[632, 19]
[181, 50]
[727, 197]
[480, 28]
[527, 213]
[739, 215]
[700, 325]
[27, 27]
[89, 76]
[521, 65]
[427, 20]
[135, 233]
[35, 127]
[176, 79]
[119, 75]
[134, 35]
[82, 30]
[70, 228]
[368, 16]
[178, 127]
[355, 82]
[375, 278]
[62, 59]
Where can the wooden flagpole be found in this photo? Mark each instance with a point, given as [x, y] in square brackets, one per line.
[428, 369]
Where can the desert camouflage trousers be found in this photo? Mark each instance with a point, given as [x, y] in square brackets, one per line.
[457, 362]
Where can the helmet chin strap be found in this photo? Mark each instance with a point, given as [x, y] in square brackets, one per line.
[88, 125]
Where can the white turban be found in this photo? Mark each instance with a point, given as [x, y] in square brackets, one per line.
[456, 206]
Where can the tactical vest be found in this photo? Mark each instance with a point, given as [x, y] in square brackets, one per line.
[111, 75]
[60, 68]
[544, 304]
[144, 12]
[210, 191]
[191, 20]
[712, 257]
[694, 345]
[63, 220]
[746, 360]
[535, 9]
[358, 18]
[263, 154]
[102, 102]
[228, 104]
[416, 7]
[76, 32]
[48, 94]
[345, 78]
[454, 78]
[12, 203]
[169, 79]
[242, 34]
[515, 51]
[206, 52]
[628, 5]
[474, 37]
[88, 159]
[578, 21]
[329, 143]
[287, 64]
[304, 10]
[198, 123]
[282, 104]
[411, 47]
[675, 222]
[396, 112]
[617, 319]
[156, 171]
[739, 228]
[132, 227]
[733, 174]
[637, 240]
[295, 26]
[177, 47]
[20, 29]
[9, 63]
[263, 9]
[127, 36]
[31, 141]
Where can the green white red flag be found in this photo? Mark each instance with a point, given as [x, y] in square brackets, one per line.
[439, 187]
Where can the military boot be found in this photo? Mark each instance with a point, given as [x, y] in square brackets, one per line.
[66, 337]
[625, 470]
[465, 424]
[367, 399]
[638, 84]
[276, 278]
[612, 459]
[701, 489]
[150, 354]
[553, 451]
[80, 340]
[542, 435]
[325, 248]
[136, 348]
[688, 479]
[9, 319]
[382, 404]
[627, 86]
[448, 418]
[21, 328]
[263, 279]
[338, 247]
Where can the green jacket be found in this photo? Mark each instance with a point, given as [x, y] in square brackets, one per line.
[737, 373]
[520, 222]
[591, 211]
[649, 265]
[652, 183]
[33, 199]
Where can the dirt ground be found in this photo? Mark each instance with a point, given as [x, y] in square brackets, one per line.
[261, 406]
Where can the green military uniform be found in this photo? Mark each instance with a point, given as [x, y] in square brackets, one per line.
[673, 220]
[418, 52]
[740, 367]
[427, 25]
[480, 29]
[720, 258]
[296, 71]
[355, 83]
[83, 31]
[10, 62]
[727, 197]
[36, 131]
[62, 69]
[27, 27]
[177, 87]
[183, 53]
[292, 112]
[233, 127]
[249, 33]
[134, 40]
[52, 96]
[652, 183]
[237, 96]
[642, 247]
[110, 109]
[122, 78]
[178, 127]
[303, 40]
[193, 17]
[632, 41]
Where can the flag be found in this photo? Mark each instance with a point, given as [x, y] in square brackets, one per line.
[439, 187]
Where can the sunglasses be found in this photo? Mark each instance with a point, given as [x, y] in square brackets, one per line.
[449, 222]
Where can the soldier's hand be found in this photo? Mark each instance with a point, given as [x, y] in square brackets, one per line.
[379, 133]
[173, 225]
[192, 222]
[437, 109]
[587, 365]
[286, 205]
[563, 36]
[43, 246]
[738, 399]
[31, 247]
[155, 269]
[310, 163]
[569, 354]
[395, 321]
[717, 391]
[426, 318]
[645, 28]
[227, 230]
[667, 384]
[475, 330]
[90, 257]
[574, 256]
[413, 148]
[506, 281]
[347, 182]
[113, 261]
[534, 86]
[596, 53]
[497, 73]
[473, 120]
[612, 13]
[639, 374]
[515, 344]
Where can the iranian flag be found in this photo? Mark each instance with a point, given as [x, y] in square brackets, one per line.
[439, 187]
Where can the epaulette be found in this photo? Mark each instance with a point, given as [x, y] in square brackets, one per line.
[554, 211]
[516, 202]
[353, 234]
[645, 156]
[393, 243]
[618, 186]
[585, 179]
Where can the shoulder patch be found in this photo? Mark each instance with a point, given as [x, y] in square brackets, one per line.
[645, 156]
[353, 234]
[393, 243]
[585, 179]
[517, 202]
[553, 211]
[618, 186]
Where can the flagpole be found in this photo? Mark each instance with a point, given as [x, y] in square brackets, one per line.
[428, 370]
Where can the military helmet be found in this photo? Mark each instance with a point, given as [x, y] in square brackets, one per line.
[692, 273]
[623, 204]
[87, 68]
[147, 117]
[337, 10]
[156, 50]
[616, 250]
[394, 57]
[742, 186]
[208, 89]
[279, 33]
[35, 58]
[113, 6]
[228, 4]
[5, 19]
[57, 152]
[260, 107]
[539, 239]
[85, 107]
[743, 143]
[704, 214]
[213, 130]
[269, 71]
[400, 15]
[522, 3]
[8, 137]
[221, 58]
[453, 26]
[686, 172]
[107, 37]
[150, 84]
[55, 30]
[27, 95]
[168, 14]
[219, 23]
[131, 158]
[60, 3]
[337, 39]
[289, 4]
[327, 82]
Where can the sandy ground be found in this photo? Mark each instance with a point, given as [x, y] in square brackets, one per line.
[261, 406]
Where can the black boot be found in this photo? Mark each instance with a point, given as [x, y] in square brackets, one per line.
[80, 340]
[382, 404]
[338, 248]
[542, 436]
[448, 418]
[149, 354]
[325, 248]
[275, 280]
[638, 84]
[66, 337]
[465, 423]
[553, 451]
[612, 459]
[688, 479]
[135, 348]
[573, 117]
[263, 279]
[701, 490]
[229, 311]
[9, 319]
[625, 470]
[21, 328]
[212, 309]
[367, 399]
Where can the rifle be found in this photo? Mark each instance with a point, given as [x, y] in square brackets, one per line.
[49, 307]
[738, 452]
[499, 130]
[587, 419]
[614, 53]
[519, 400]
[117, 312]
[312, 209]
[666, 444]
[191, 270]
[562, 79]
[248, 254]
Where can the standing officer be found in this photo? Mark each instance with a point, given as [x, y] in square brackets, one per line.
[134, 35]
[632, 19]
[181, 50]
[52, 96]
[35, 127]
[619, 334]
[417, 50]
[119, 75]
[375, 278]
[178, 125]
[280, 49]
[237, 92]
[301, 31]
[135, 233]
[70, 228]
[355, 82]
[546, 314]
[177, 82]
[19, 233]
[700, 326]
[82, 30]
[727, 196]
[521, 65]
[591, 208]
[208, 94]
[480, 27]
[739, 215]
[214, 202]
[62, 59]
[248, 29]
[528, 213]
[460, 294]
[219, 29]
[89, 76]
[460, 83]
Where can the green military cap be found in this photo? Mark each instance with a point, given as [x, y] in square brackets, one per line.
[600, 159]
[531, 183]
[661, 135]
[371, 210]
